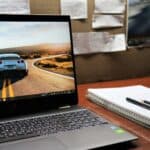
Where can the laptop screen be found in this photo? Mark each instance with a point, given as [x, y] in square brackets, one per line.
[35, 58]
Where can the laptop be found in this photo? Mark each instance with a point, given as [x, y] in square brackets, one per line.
[38, 91]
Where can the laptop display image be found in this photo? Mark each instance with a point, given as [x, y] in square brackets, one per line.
[35, 59]
[38, 91]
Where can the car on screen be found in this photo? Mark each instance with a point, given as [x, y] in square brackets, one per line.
[13, 63]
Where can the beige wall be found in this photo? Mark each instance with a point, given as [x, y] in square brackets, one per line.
[98, 67]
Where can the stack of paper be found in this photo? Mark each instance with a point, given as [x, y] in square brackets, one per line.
[115, 99]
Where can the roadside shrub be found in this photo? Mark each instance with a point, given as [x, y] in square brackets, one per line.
[70, 68]
[62, 59]
[49, 65]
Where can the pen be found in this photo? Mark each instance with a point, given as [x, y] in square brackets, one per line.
[146, 102]
[133, 101]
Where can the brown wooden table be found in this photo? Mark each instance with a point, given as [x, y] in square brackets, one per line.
[143, 143]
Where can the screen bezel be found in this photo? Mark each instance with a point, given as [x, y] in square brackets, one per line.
[41, 103]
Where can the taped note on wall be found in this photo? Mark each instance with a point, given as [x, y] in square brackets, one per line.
[14, 7]
[96, 42]
[107, 21]
[76, 9]
[110, 6]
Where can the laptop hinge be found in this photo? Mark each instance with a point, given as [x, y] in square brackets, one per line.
[65, 107]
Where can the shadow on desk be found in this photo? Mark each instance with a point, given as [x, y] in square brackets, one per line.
[121, 146]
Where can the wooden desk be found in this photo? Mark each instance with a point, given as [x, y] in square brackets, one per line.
[143, 143]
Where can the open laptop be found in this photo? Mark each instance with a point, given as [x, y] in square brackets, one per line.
[38, 92]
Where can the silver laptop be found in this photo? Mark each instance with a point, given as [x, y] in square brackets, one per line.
[38, 92]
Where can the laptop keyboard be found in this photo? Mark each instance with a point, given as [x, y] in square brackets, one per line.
[45, 125]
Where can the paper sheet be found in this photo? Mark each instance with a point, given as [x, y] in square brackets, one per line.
[76, 9]
[14, 7]
[107, 21]
[110, 6]
[95, 42]
[83, 42]
[116, 43]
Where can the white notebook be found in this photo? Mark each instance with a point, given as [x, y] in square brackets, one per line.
[115, 99]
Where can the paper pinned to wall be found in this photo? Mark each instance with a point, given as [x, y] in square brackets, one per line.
[76, 9]
[96, 42]
[117, 43]
[14, 7]
[110, 6]
[107, 21]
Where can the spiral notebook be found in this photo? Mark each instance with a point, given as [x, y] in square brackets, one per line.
[115, 99]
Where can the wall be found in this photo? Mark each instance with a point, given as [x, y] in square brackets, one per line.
[100, 67]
